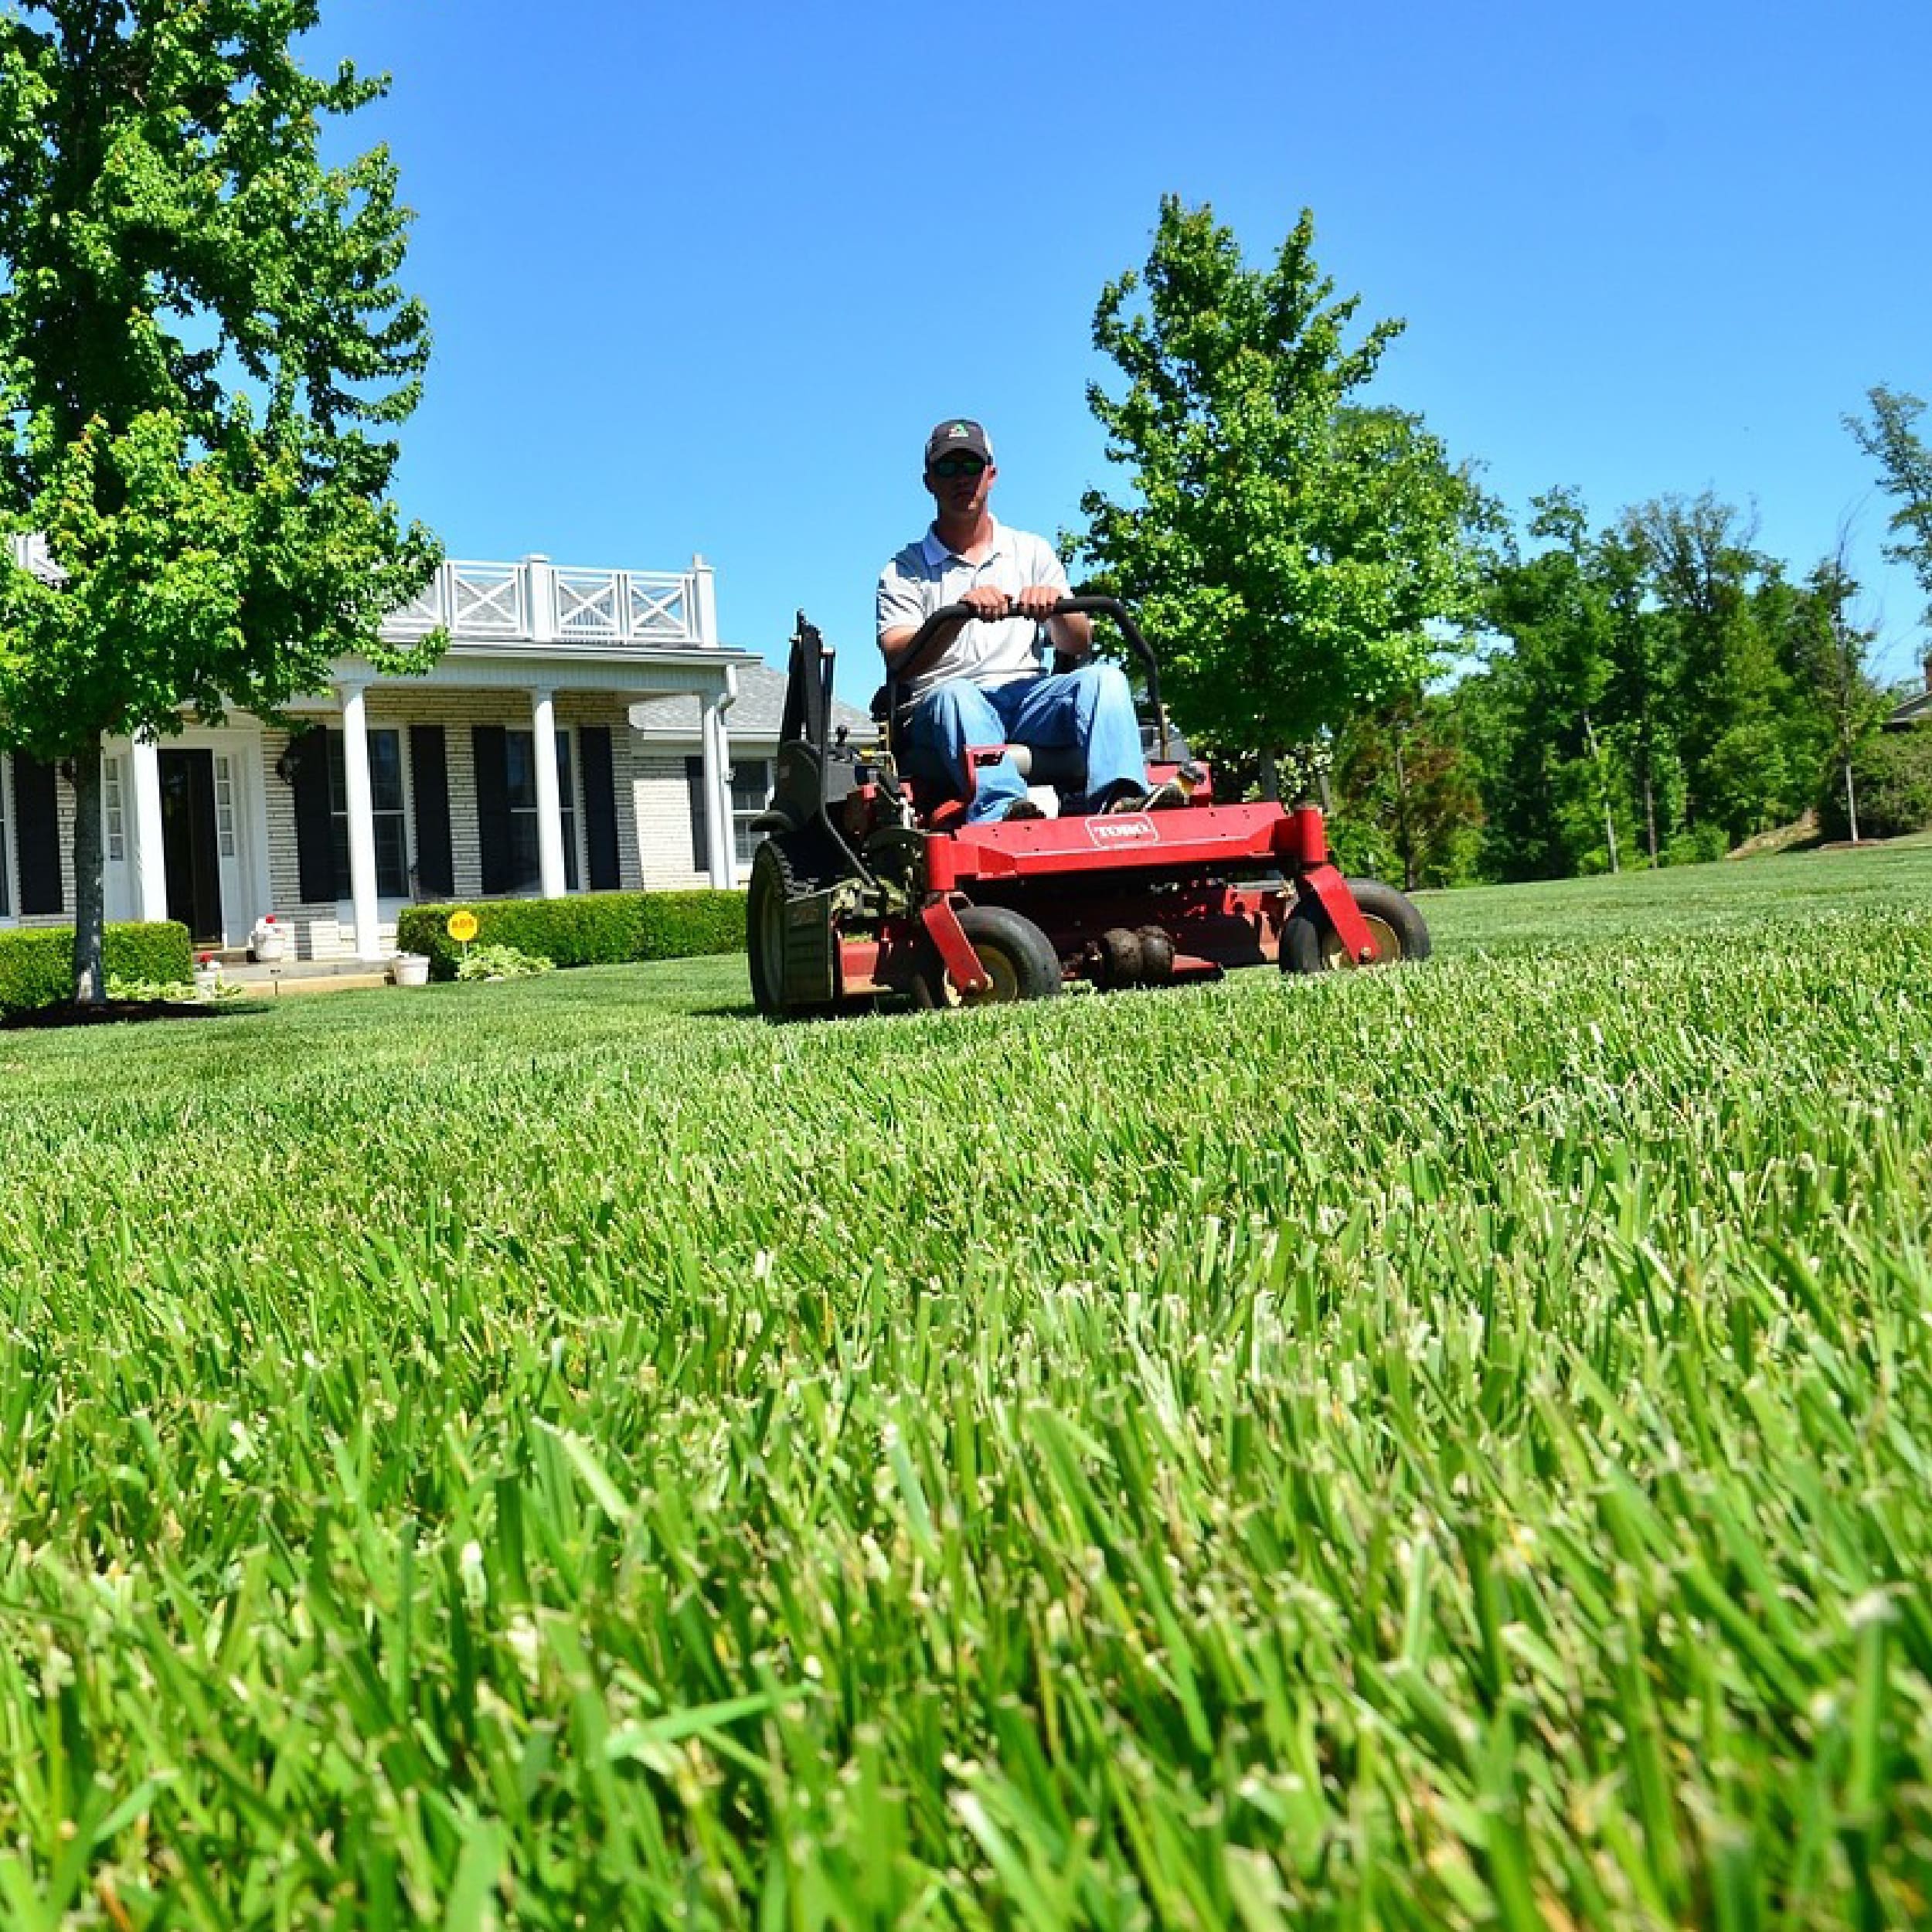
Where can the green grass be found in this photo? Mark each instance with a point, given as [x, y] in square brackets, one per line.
[1447, 1445]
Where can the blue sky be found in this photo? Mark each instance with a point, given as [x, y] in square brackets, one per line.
[701, 278]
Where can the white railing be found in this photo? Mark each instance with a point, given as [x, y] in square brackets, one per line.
[536, 602]
[30, 554]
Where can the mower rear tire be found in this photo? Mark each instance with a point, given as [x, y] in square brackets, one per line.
[1018, 958]
[779, 873]
[1309, 943]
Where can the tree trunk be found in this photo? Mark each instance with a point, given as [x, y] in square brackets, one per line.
[1851, 802]
[1271, 776]
[1603, 790]
[1650, 812]
[90, 974]
[1405, 836]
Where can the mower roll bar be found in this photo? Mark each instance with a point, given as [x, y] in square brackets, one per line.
[923, 639]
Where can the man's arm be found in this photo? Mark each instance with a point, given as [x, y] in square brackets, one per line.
[983, 600]
[1072, 636]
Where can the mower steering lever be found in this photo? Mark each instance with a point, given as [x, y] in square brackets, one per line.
[923, 639]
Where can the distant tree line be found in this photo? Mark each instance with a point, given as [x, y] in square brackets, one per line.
[1654, 690]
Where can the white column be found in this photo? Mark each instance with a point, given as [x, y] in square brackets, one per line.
[704, 585]
[151, 867]
[721, 838]
[541, 580]
[366, 912]
[549, 800]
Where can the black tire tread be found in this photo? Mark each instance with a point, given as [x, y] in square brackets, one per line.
[1305, 935]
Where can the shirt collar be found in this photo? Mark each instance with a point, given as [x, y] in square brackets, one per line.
[935, 550]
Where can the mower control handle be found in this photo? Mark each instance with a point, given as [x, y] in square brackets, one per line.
[922, 640]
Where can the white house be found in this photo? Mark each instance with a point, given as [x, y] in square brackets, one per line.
[396, 789]
[1916, 710]
[672, 728]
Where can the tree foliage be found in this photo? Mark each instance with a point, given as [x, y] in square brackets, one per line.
[1288, 545]
[1660, 688]
[1831, 652]
[204, 354]
[1407, 806]
[1890, 436]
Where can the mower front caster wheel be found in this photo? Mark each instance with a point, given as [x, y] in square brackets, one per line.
[1309, 943]
[781, 872]
[1018, 957]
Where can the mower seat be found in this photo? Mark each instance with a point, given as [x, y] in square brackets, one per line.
[1061, 766]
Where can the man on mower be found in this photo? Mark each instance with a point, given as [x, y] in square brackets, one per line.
[985, 682]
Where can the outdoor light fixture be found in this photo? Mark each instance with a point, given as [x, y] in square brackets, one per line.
[289, 763]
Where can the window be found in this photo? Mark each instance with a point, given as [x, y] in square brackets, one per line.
[520, 756]
[386, 795]
[225, 805]
[750, 792]
[114, 815]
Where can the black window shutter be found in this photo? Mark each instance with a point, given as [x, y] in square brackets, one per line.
[490, 748]
[37, 835]
[429, 785]
[314, 825]
[700, 842]
[600, 806]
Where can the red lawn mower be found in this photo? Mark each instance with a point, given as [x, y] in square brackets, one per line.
[869, 882]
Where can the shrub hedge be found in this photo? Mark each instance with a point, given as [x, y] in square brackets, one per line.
[1893, 773]
[36, 962]
[589, 928]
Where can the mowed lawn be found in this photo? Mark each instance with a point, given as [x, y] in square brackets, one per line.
[1446, 1445]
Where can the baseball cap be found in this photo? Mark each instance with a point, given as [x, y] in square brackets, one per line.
[957, 436]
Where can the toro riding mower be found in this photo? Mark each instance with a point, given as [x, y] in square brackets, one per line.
[869, 881]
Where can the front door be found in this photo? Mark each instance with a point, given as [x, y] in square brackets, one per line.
[190, 844]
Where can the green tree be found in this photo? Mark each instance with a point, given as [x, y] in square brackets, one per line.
[1557, 612]
[1289, 546]
[1739, 724]
[1832, 651]
[204, 350]
[1640, 697]
[1890, 437]
[1403, 780]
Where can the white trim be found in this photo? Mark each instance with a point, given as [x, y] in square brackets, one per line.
[691, 672]
[9, 849]
[766, 763]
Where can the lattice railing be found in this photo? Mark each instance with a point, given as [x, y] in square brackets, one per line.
[30, 554]
[532, 602]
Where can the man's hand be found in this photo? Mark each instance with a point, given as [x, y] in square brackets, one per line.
[989, 603]
[1037, 601]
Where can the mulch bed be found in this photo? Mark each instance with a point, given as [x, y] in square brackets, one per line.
[113, 1012]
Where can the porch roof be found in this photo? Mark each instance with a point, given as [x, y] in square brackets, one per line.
[757, 714]
[1916, 710]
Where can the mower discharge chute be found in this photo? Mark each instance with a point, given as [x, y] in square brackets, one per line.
[867, 882]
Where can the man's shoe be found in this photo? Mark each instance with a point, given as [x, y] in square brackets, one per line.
[1021, 808]
[1161, 798]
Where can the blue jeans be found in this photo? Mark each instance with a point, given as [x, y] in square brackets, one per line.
[1091, 709]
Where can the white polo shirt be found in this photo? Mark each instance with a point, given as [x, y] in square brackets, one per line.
[926, 576]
